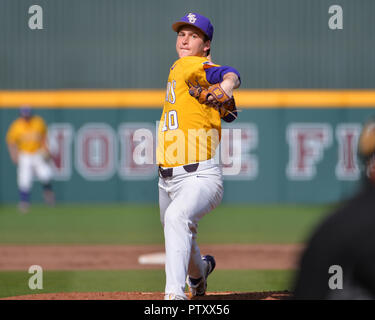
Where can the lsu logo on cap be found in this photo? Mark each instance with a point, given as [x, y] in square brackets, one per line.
[192, 17]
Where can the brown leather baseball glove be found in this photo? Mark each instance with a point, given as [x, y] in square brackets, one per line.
[46, 155]
[215, 97]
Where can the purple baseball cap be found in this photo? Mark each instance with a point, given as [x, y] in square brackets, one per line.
[25, 111]
[198, 21]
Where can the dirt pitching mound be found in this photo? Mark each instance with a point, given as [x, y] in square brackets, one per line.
[275, 295]
[125, 257]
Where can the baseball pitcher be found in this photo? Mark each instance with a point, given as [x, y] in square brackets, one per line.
[199, 94]
[26, 140]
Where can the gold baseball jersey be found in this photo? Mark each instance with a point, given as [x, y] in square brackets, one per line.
[189, 132]
[28, 136]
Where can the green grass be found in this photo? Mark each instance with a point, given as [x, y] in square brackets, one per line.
[140, 224]
[14, 283]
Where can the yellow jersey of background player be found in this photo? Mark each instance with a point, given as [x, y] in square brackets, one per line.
[190, 183]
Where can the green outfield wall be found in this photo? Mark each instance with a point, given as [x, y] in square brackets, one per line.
[288, 150]
[130, 43]
[272, 155]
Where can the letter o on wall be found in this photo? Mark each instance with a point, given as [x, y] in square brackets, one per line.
[95, 151]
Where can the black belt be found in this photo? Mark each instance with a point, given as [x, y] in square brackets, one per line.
[167, 173]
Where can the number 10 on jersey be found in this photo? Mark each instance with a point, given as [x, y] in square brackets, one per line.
[170, 121]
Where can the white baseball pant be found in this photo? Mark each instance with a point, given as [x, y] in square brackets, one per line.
[184, 199]
[30, 164]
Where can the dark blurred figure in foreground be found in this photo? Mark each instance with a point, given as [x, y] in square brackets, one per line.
[339, 261]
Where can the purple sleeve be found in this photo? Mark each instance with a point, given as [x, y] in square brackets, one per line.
[216, 74]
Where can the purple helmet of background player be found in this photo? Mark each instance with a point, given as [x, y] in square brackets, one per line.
[25, 112]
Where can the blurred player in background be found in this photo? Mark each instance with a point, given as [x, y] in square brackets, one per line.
[27, 144]
[339, 261]
[190, 186]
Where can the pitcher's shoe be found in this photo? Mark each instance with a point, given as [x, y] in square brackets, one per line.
[171, 296]
[198, 287]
